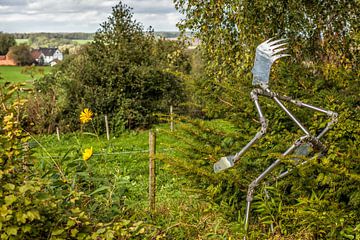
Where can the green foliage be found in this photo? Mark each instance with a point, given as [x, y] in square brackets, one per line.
[318, 200]
[319, 33]
[43, 205]
[6, 41]
[124, 72]
[324, 46]
[21, 54]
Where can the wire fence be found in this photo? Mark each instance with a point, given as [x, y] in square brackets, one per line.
[141, 151]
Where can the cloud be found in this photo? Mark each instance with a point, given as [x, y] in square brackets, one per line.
[80, 15]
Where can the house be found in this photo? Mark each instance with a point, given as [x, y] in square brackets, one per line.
[38, 57]
[6, 60]
[47, 56]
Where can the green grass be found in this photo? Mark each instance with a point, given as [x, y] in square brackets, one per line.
[22, 41]
[82, 41]
[79, 41]
[119, 181]
[13, 74]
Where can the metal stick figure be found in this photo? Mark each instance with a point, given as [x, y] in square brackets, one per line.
[266, 54]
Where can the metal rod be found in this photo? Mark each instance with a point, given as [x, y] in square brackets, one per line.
[296, 102]
[247, 215]
[325, 130]
[291, 116]
[312, 107]
[255, 183]
[260, 133]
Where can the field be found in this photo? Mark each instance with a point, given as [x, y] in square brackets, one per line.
[22, 41]
[82, 41]
[78, 41]
[118, 173]
[15, 74]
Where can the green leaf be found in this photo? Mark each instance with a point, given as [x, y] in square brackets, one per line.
[9, 186]
[57, 232]
[99, 190]
[10, 199]
[34, 214]
[101, 230]
[42, 196]
[26, 228]
[11, 230]
[21, 217]
[74, 232]
[70, 223]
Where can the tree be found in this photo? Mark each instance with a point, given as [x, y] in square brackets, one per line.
[123, 73]
[21, 54]
[323, 69]
[6, 41]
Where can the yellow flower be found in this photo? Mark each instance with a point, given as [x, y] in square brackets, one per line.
[86, 116]
[87, 154]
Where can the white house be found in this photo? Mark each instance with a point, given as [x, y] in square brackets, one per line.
[51, 54]
[47, 56]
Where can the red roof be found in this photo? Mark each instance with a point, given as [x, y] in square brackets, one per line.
[35, 54]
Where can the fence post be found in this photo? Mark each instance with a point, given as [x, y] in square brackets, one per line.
[58, 133]
[171, 119]
[107, 128]
[152, 176]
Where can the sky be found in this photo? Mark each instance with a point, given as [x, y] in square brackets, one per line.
[81, 15]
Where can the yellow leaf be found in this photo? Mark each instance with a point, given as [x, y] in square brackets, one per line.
[10, 199]
[11, 230]
[9, 186]
[74, 232]
[21, 217]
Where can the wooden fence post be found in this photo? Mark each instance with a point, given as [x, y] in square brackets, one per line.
[107, 128]
[152, 176]
[171, 119]
[58, 133]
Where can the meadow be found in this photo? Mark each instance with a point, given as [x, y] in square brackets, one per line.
[76, 41]
[111, 186]
[15, 74]
[117, 180]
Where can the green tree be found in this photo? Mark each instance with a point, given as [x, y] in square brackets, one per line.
[125, 72]
[21, 54]
[6, 41]
[323, 70]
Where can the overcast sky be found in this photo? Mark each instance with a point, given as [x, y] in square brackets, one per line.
[81, 15]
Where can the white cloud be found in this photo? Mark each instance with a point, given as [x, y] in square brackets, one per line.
[81, 15]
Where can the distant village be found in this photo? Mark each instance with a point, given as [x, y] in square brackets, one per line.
[50, 56]
[40, 57]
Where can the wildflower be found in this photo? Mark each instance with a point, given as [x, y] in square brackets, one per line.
[87, 154]
[86, 116]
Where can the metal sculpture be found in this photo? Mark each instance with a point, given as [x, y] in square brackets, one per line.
[266, 54]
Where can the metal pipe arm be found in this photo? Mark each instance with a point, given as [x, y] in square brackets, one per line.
[229, 161]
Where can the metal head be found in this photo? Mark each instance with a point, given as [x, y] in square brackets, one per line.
[266, 54]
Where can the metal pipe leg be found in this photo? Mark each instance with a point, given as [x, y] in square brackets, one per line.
[322, 133]
[256, 182]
